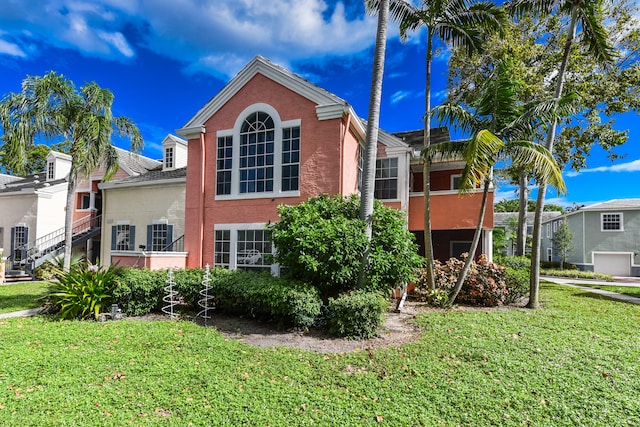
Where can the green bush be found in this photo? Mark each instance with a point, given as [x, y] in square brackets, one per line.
[577, 274]
[189, 283]
[262, 295]
[83, 291]
[321, 241]
[357, 314]
[516, 262]
[555, 265]
[52, 268]
[139, 292]
[518, 284]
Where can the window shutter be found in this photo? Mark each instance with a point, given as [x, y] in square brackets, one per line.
[169, 234]
[114, 236]
[149, 237]
[132, 237]
[13, 236]
[26, 237]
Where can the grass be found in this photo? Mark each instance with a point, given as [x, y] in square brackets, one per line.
[21, 296]
[574, 362]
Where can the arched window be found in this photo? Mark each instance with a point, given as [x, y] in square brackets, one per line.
[259, 157]
[257, 145]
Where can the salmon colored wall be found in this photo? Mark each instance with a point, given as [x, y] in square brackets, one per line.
[350, 164]
[450, 211]
[152, 263]
[319, 164]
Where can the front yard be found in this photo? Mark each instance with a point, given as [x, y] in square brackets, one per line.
[575, 362]
[21, 296]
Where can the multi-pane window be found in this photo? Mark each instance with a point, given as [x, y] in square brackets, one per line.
[257, 146]
[20, 237]
[611, 222]
[360, 166]
[386, 186]
[455, 182]
[252, 248]
[123, 237]
[85, 201]
[222, 248]
[168, 157]
[224, 163]
[159, 237]
[50, 170]
[291, 159]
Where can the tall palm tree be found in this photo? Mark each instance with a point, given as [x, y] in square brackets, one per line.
[373, 119]
[499, 128]
[458, 23]
[51, 107]
[588, 16]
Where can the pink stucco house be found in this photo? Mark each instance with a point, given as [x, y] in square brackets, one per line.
[270, 137]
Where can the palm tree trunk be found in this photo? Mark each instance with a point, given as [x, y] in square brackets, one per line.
[371, 145]
[474, 245]
[426, 168]
[534, 283]
[68, 222]
[521, 237]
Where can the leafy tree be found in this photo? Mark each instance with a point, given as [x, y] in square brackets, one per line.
[562, 241]
[500, 128]
[373, 120]
[512, 205]
[588, 16]
[459, 23]
[52, 107]
[321, 242]
[36, 161]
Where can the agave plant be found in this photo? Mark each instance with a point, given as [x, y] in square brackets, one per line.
[84, 291]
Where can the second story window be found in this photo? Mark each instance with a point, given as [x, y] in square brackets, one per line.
[611, 222]
[257, 148]
[159, 236]
[259, 157]
[386, 186]
[168, 157]
[51, 170]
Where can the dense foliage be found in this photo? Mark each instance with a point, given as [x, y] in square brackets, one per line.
[357, 314]
[321, 241]
[83, 291]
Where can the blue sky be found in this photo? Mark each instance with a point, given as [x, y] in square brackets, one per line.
[164, 59]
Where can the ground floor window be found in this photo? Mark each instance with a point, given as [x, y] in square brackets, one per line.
[123, 237]
[458, 248]
[159, 237]
[19, 240]
[247, 247]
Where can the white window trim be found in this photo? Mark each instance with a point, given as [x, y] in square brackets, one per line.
[452, 177]
[548, 230]
[602, 214]
[277, 161]
[233, 243]
[549, 254]
[397, 178]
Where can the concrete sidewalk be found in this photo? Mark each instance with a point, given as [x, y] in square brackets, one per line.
[22, 313]
[576, 283]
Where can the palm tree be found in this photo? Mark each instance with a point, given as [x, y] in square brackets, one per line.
[587, 15]
[499, 128]
[50, 106]
[458, 23]
[373, 119]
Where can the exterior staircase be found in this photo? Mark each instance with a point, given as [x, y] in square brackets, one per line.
[37, 252]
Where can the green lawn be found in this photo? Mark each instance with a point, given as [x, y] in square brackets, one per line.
[21, 296]
[574, 362]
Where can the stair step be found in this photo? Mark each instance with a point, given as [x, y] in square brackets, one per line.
[17, 277]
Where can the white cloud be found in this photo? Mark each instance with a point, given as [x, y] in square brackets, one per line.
[400, 95]
[633, 166]
[215, 36]
[11, 49]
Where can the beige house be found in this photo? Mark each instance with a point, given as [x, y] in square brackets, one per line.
[143, 215]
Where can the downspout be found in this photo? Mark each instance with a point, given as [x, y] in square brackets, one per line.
[344, 138]
[201, 204]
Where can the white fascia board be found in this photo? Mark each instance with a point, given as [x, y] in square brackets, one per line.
[332, 111]
[192, 132]
[119, 184]
[258, 65]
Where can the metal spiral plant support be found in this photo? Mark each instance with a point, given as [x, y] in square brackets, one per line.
[205, 301]
[171, 298]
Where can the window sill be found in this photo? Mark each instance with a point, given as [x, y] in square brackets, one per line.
[252, 196]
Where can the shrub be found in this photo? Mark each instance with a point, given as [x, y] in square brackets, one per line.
[321, 241]
[485, 285]
[357, 314]
[138, 291]
[515, 262]
[189, 283]
[52, 268]
[262, 295]
[517, 283]
[555, 265]
[83, 291]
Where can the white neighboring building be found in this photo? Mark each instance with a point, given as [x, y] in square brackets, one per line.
[33, 207]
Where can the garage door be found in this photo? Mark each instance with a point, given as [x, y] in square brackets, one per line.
[613, 264]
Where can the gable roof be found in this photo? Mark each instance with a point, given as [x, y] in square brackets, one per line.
[135, 164]
[612, 205]
[30, 183]
[4, 179]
